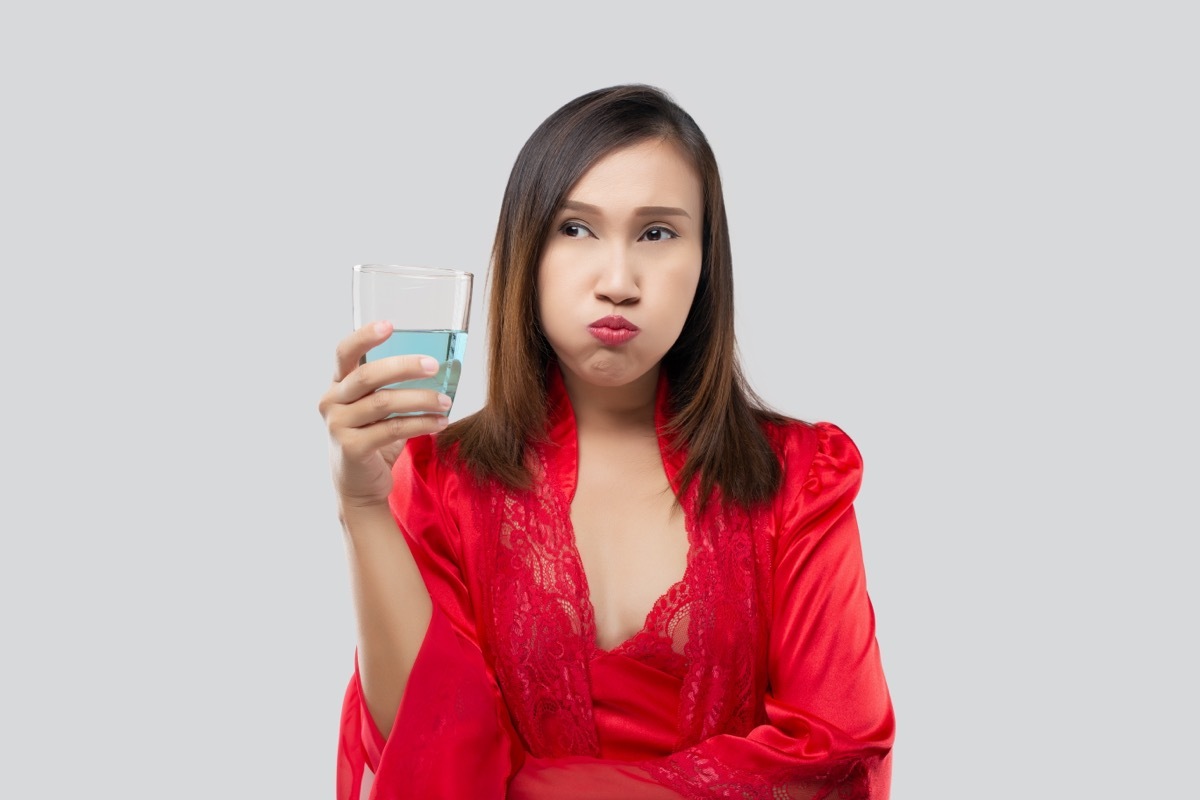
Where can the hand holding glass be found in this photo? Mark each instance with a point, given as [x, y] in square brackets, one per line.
[429, 309]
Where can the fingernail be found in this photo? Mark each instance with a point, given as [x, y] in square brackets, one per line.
[444, 401]
[428, 364]
[442, 422]
[381, 328]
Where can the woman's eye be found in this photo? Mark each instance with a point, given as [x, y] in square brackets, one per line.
[658, 234]
[574, 230]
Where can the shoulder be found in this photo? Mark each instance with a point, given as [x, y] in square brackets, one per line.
[822, 466]
[803, 446]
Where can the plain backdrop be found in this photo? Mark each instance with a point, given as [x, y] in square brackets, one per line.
[964, 232]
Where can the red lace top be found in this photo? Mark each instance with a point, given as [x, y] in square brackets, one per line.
[757, 675]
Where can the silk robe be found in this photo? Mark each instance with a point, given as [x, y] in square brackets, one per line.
[757, 675]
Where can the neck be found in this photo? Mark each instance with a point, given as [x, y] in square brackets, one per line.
[612, 407]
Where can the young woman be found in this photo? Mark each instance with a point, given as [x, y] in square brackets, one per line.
[623, 577]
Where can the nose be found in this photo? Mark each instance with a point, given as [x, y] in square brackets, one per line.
[617, 281]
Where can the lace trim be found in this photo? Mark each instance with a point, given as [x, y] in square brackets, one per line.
[723, 688]
[539, 615]
[661, 642]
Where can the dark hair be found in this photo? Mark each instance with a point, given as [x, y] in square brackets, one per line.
[714, 413]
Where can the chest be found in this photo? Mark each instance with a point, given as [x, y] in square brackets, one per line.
[630, 534]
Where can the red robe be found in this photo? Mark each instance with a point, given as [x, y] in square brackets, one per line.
[757, 675]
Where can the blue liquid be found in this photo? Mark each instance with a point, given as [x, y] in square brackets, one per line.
[448, 347]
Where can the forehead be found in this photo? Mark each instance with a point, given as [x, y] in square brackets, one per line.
[649, 173]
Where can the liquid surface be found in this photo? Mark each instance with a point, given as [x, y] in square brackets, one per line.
[448, 347]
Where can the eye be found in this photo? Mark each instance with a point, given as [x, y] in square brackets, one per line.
[659, 234]
[574, 230]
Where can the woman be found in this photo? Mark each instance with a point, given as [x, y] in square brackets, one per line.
[623, 577]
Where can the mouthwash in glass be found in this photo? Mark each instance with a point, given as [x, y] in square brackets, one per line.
[447, 347]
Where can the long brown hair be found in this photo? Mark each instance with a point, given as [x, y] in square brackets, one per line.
[715, 415]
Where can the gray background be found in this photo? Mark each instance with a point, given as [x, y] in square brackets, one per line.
[962, 232]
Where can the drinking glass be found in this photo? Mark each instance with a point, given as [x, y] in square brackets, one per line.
[429, 309]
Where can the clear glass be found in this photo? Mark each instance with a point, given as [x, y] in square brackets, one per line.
[430, 311]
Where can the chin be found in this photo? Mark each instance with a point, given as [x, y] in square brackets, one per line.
[609, 371]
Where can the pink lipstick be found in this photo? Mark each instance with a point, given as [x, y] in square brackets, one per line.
[613, 329]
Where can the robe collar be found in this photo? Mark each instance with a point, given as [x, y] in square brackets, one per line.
[562, 456]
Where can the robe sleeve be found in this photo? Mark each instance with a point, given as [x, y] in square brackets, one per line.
[451, 737]
[830, 724]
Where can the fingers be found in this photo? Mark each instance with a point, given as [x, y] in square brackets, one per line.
[384, 403]
[384, 418]
[360, 442]
[357, 398]
[350, 351]
[364, 379]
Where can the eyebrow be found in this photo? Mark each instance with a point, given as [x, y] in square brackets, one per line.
[643, 211]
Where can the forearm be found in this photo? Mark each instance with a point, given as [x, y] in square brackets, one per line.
[392, 607]
[713, 768]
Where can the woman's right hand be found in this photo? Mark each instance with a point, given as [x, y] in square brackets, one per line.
[364, 441]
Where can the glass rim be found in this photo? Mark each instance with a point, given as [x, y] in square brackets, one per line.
[413, 271]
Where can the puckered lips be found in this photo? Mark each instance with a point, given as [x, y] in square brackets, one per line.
[613, 329]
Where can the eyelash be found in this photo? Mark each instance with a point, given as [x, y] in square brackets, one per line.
[563, 228]
[661, 228]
